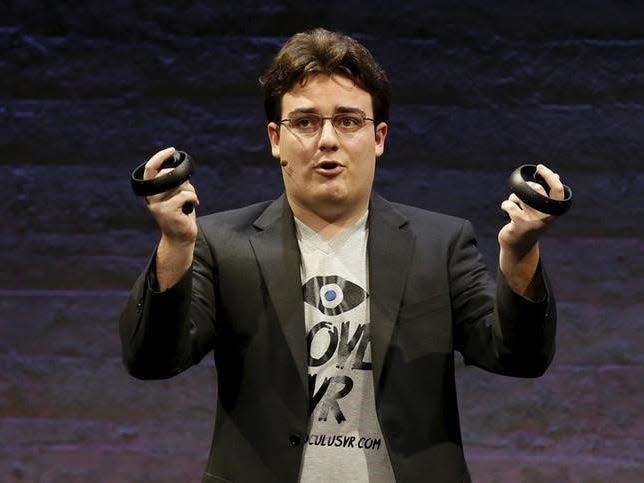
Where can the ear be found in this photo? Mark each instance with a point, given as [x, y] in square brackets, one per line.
[381, 135]
[273, 130]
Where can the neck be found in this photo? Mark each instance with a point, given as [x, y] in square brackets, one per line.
[329, 222]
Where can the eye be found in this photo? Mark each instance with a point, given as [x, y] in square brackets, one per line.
[333, 295]
[307, 122]
[348, 121]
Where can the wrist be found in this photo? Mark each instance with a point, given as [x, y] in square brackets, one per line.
[520, 270]
[173, 259]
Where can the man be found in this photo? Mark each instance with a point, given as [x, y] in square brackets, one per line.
[334, 314]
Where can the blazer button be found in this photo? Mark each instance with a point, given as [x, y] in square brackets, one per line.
[294, 439]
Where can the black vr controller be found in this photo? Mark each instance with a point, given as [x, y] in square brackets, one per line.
[183, 167]
[519, 185]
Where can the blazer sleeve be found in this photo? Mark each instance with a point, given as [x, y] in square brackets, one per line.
[164, 333]
[495, 328]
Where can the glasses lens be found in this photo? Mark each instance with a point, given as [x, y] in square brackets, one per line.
[305, 123]
[348, 122]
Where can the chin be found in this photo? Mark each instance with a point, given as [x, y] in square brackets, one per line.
[325, 200]
[333, 196]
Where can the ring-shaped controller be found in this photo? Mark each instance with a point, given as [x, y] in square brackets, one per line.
[519, 185]
[183, 167]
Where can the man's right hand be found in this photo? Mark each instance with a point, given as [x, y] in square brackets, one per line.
[178, 229]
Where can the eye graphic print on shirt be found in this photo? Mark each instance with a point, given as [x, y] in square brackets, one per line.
[333, 295]
[337, 342]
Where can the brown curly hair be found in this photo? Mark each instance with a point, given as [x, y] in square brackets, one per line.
[321, 51]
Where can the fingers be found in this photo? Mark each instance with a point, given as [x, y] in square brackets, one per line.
[553, 181]
[514, 202]
[155, 162]
[510, 207]
[518, 210]
[174, 199]
[513, 206]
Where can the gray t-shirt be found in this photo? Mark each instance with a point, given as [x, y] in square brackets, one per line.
[345, 442]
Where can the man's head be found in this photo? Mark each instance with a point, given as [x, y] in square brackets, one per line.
[327, 101]
[320, 51]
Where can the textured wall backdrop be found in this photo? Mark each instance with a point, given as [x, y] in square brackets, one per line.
[90, 89]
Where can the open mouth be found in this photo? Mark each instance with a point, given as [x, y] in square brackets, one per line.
[328, 168]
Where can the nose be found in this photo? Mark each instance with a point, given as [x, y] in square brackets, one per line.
[328, 136]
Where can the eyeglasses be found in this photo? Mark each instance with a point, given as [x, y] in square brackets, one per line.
[310, 123]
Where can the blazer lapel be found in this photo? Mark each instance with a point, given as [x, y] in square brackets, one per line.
[278, 255]
[390, 248]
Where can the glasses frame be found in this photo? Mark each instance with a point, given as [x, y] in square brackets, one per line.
[287, 121]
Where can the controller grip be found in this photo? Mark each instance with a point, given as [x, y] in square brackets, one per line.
[518, 182]
[183, 167]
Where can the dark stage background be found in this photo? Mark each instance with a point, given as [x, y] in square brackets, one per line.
[90, 89]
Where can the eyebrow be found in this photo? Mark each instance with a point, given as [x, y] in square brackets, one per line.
[338, 110]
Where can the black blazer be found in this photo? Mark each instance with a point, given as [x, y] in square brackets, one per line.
[429, 293]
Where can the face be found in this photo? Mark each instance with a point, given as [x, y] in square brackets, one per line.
[328, 174]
